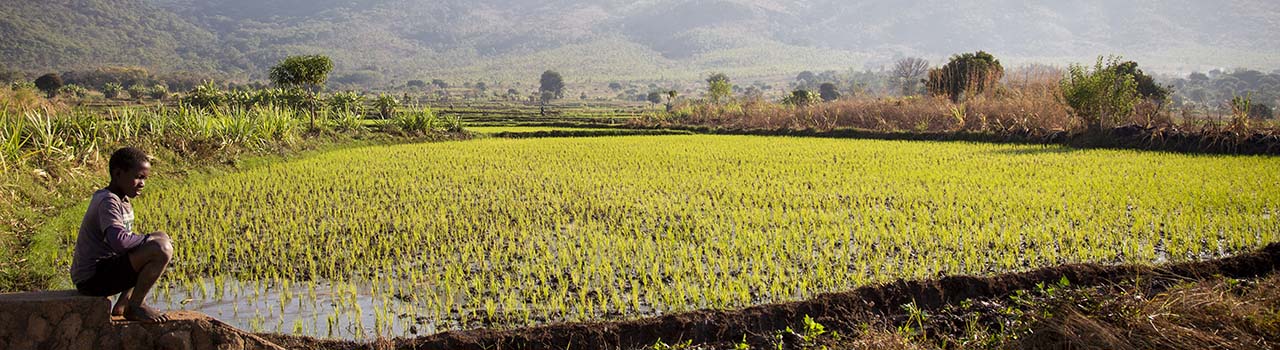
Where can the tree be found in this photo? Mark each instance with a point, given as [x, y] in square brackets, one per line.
[615, 86]
[416, 84]
[49, 83]
[828, 92]
[806, 77]
[482, 86]
[308, 72]
[966, 74]
[654, 97]
[440, 83]
[552, 82]
[718, 87]
[1100, 97]
[1147, 86]
[671, 99]
[908, 71]
[545, 97]
[303, 72]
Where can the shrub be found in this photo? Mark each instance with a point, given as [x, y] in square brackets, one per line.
[158, 91]
[828, 92]
[346, 102]
[346, 120]
[718, 87]
[49, 83]
[138, 92]
[416, 84]
[417, 121]
[73, 90]
[801, 98]
[1100, 97]
[205, 96]
[386, 105]
[966, 74]
[112, 90]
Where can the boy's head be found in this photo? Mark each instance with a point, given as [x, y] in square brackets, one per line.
[129, 168]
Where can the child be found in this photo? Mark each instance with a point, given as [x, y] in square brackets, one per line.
[109, 258]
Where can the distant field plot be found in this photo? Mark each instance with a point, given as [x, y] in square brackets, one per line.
[526, 129]
[503, 232]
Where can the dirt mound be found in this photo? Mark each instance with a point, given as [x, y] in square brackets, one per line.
[844, 311]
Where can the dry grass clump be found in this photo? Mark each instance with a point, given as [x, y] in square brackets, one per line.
[1215, 314]
[1028, 104]
[24, 99]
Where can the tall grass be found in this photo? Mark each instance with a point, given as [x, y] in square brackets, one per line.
[46, 137]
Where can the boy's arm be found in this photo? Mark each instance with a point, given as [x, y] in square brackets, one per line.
[111, 219]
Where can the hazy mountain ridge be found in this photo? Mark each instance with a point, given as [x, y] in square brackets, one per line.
[601, 39]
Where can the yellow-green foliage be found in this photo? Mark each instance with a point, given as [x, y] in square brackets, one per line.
[577, 229]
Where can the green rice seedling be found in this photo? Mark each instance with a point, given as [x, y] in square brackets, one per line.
[579, 229]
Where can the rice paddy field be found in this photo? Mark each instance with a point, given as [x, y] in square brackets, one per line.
[492, 233]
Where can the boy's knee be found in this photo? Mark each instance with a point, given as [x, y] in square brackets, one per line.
[166, 246]
[162, 243]
[160, 235]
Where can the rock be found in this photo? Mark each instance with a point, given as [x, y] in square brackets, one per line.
[135, 337]
[70, 326]
[84, 341]
[37, 328]
[109, 340]
[67, 320]
[175, 340]
[231, 343]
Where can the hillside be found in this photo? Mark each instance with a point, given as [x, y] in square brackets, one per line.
[386, 40]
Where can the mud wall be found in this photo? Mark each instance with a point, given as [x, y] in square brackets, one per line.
[67, 320]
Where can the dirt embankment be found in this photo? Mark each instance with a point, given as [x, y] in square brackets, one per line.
[1125, 137]
[846, 312]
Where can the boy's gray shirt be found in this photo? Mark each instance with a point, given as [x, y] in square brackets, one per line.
[106, 231]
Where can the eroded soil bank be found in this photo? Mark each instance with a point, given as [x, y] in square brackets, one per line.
[1227, 303]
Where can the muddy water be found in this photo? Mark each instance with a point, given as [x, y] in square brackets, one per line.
[321, 309]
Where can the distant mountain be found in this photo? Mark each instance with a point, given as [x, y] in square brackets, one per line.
[378, 41]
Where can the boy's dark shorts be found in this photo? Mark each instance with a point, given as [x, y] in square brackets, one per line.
[112, 276]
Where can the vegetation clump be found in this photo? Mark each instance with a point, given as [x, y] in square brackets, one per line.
[1103, 96]
[967, 74]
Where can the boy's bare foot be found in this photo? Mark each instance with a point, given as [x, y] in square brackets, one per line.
[143, 313]
[118, 310]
